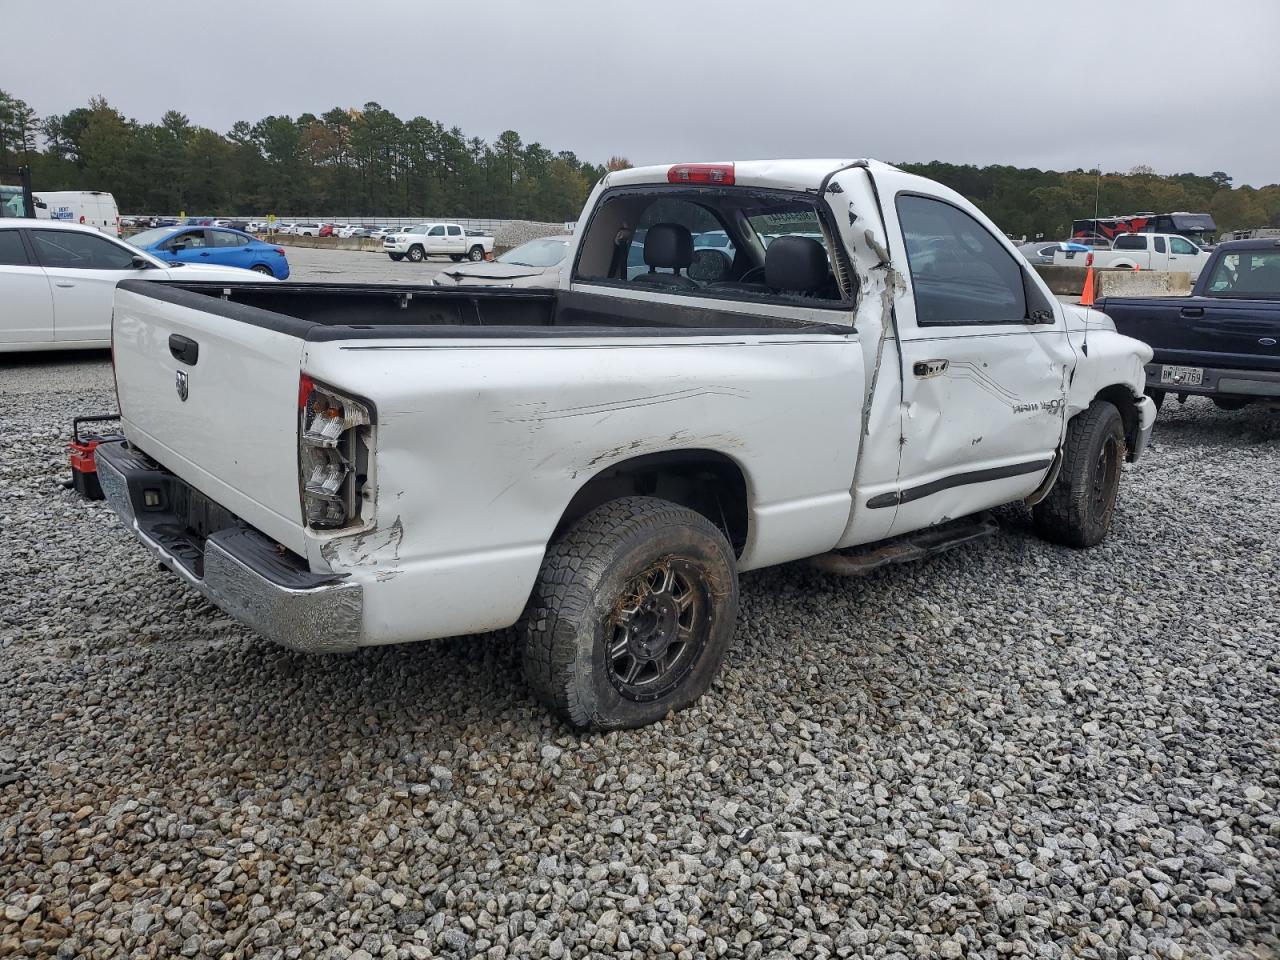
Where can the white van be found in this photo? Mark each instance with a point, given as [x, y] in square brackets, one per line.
[93, 208]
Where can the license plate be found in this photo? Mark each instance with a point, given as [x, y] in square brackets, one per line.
[1184, 376]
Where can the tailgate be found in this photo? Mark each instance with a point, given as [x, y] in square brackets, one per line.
[222, 414]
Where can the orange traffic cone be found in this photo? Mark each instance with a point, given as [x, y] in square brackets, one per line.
[1086, 297]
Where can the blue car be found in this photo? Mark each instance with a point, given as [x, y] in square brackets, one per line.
[218, 245]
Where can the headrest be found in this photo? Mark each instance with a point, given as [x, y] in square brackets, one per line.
[795, 263]
[668, 245]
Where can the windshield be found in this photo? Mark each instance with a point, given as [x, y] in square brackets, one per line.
[784, 219]
[536, 253]
[148, 237]
[11, 202]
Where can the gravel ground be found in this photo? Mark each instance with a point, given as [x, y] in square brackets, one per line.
[1010, 750]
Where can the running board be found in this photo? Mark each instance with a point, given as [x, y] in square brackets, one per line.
[859, 561]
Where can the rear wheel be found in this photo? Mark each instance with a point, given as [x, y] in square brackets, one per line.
[632, 614]
[476, 254]
[1079, 508]
[416, 254]
[1231, 403]
[397, 257]
[263, 269]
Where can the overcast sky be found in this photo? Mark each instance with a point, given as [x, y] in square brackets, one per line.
[1180, 85]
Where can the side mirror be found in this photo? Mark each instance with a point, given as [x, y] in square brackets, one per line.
[140, 262]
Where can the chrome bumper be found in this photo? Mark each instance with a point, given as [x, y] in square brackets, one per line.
[319, 619]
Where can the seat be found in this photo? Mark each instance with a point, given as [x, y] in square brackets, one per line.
[667, 246]
[792, 265]
[797, 265]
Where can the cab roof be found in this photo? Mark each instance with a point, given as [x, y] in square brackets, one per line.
[776, 174]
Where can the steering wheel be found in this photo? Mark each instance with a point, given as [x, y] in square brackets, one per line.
[746, 277]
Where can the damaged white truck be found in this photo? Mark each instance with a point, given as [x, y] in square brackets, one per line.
[865, 370]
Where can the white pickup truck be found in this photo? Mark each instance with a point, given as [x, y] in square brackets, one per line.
[437, 240]
[342, 466]
[1146, 251]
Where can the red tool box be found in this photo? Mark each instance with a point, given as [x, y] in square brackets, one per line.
[84, 470]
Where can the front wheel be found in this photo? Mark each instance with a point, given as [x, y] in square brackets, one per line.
[1078, 510]
[632, 614]
[476, 254]
[416, 255]
[397, 257]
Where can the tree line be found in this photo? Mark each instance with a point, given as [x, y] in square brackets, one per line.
[369, 162]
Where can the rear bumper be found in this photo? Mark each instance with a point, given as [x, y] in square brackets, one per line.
[1219, 382]
[236, 568]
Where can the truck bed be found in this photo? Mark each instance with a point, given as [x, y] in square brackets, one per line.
[320, 312]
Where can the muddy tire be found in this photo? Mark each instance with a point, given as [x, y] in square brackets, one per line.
[416, 254]
[631, 616]
[1079, 508]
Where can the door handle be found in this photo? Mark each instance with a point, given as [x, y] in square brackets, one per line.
[1192, 311]
[184, 349]
[925, 369]
[205, 254]
[65, 283]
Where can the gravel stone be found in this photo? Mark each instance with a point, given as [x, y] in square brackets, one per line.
[1010, 750]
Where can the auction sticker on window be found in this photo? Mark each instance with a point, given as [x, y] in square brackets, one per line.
[1184, 376]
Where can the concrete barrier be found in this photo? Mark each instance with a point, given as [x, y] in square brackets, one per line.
[1115, 282]
[326, 243]
[1142, 283]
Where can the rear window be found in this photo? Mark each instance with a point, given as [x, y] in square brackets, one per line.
[1250, 273]
[1130, 242]
[712, 243]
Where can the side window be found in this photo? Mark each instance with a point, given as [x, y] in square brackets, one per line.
[960, 272]
[1181, 246]
[436, 231]
[1158, 243]
[454, 230]
[79, 251]
[224, 238]
[190, 240]
[12, 252]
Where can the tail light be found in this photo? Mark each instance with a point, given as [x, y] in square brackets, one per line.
[280, 250]
[720, 174]
[334, 444]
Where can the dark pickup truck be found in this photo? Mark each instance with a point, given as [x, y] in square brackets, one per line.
[1224, 340]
